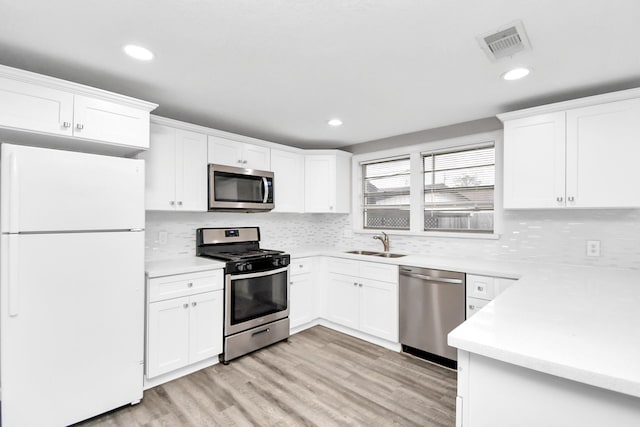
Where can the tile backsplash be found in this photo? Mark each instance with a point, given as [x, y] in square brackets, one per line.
[550, 236]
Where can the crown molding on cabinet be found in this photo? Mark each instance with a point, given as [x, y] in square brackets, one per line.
[75, 88]
[571, 104]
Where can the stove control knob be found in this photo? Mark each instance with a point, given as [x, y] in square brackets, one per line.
[276, 262]
[241, 267]
[249, 267]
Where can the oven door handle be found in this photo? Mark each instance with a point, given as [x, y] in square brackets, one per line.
[258, 274]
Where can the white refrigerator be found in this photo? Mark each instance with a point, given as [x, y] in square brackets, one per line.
[72, 285]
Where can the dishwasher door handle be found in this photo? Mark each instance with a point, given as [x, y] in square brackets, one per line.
[431, 278]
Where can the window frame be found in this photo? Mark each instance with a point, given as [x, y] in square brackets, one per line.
[415, 153]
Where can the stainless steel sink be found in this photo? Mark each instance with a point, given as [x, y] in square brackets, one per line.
[389, 255]
[363, 252]
[373, 253]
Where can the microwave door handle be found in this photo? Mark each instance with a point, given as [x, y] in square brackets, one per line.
[265, 182]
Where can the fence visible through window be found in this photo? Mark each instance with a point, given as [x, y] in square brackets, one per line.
[386, 186]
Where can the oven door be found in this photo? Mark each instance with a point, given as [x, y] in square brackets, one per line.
[232, 188]
[255, 299]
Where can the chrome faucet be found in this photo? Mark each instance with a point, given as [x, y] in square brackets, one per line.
[384, 240]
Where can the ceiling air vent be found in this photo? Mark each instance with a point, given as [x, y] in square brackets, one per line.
[507, 41]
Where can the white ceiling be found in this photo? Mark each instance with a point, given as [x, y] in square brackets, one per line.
[279, 69]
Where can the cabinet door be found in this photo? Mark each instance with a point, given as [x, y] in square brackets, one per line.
[319, 183]
[343, 300]
[301, 300]
[223, 151]
[168, 336]
[482, 287]
[603, 147]
[534, 162]
[205, 325]
[160, 159]
[288, 170]
[474, 305]
[110, 122]
[191, 171]
[36, 108]
[379, 309]
[256, 157]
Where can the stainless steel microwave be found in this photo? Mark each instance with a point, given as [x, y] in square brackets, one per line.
[238, 189]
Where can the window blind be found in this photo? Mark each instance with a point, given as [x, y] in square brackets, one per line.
[386, 194]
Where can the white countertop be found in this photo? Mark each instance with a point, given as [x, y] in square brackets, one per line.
[168, 267]
[579, 323]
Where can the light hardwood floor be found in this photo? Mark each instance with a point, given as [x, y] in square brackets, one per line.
[318, 378]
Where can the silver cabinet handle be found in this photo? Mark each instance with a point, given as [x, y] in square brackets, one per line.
[180, 203]
[79, 126]
[66, 124]
[186, 305]
[194, 304]
[300, 266]
[472, 307]
[172, 203]
[360, 284]
[571, 199]
[480, 288]
[559, 198]
[244, 162]
[190, 284]
[355, 284]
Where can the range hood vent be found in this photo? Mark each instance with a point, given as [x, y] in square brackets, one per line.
[507, 41]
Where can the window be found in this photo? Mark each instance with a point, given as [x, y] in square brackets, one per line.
[458, 190]
[386, 194]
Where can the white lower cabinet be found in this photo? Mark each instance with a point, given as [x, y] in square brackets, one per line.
[482, 289]
[302, 293]
[359, 301]
[184, 320]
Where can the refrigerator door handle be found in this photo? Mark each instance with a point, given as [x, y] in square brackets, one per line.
[14, 191]
[12, 266]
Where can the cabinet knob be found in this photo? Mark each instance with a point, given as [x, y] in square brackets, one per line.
[240, 161]
[186, 305]
[472, 307]
[355, 284]
[360, 284]
[194, 304]
[79, 126]
[244, 162]
[300, 266]
[66, 124]
[559, 198]
[172, 202]
[330, 208]
[190, 284]
[571, 198]
[480, 288]
[180, 203]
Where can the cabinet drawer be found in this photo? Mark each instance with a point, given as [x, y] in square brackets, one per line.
[179, 285]
[381, 272]
[300, 266]
[474, 305]
[343, 266]
[480, 287]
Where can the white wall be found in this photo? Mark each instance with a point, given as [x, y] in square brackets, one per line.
[544, 236]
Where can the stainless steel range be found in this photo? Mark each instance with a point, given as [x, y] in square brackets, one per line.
[256, 291]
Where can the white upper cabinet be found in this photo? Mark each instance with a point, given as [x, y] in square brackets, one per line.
[327, 182]
[39, 104]
[228, 152]
[288, 170]
[176, 170]
[534, 162]
[603, 148]
[578, 158]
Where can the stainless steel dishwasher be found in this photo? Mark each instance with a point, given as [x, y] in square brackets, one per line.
[432, 304]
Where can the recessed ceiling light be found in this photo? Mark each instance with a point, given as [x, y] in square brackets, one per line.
[335, 122]
[516, 73]
[138, 52]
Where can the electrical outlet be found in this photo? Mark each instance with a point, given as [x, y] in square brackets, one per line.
[162, 237]
[593, 247]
